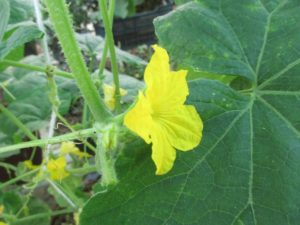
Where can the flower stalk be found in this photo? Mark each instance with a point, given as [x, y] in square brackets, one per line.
[110, 42]
[111, 12]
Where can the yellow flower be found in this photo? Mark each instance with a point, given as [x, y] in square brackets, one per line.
[109, 95]
[56, 168]
[28, 164]
[70, 148]
[160, 116]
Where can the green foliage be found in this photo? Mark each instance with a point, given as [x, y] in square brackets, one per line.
[243, 59]
[20, 11]
[4, 16]
[19, 37]
[32, 107]
[245, 169]
[92, 45]
[14, 204]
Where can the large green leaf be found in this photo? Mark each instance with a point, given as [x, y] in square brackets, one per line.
[4, 16]
[19, 37]
[20, 11]
[246, 171]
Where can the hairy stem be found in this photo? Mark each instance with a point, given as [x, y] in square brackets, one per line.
[105, 164]
[60, 17]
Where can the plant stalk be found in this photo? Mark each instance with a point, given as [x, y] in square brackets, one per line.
[111, 12]
[36, 68]
[110, 42]
[14, 180]
[105, 164]
[42, 215]
[42, 142]
[61, 19]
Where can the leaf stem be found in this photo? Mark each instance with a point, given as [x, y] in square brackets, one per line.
[42, 142]
[59, 190]
[8, 166]
[39, 21]
[110, 42]
[61, 19]
[36, 68]
[83, 170]
[105, 49]
[41, 215]
[14, 180]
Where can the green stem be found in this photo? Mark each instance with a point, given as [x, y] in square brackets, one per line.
[42, 215]
[57, 187]
[105, 164]
[110, 41]
[8, 166]
[18, 178]
[39, 21]
[17, 122]
[42, 142]
[85, 115]
[7, 91]
[36, 68]
[83, 170]
[111, 12]
[53, 91]
[61, 19]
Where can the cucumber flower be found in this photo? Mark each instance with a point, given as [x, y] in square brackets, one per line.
[56, 168]
[109, 96]
[69, 147]
[160, 116]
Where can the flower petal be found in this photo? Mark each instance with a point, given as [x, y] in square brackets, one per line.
[177, 87]
[138, 119]
[157, 68]
[184, 127]
[163, 154]
[56, 168]
[165, 88]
